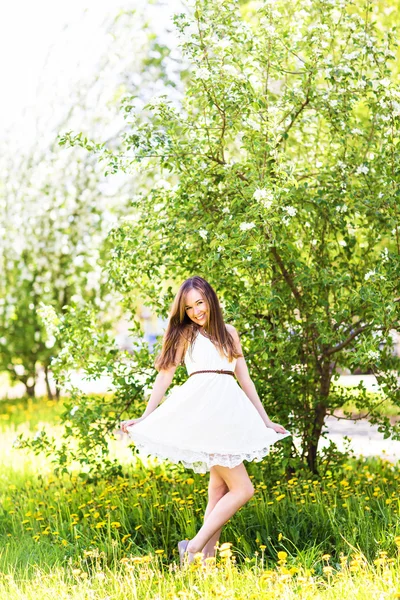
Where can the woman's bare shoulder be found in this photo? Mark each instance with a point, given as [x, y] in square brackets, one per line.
[232, 330]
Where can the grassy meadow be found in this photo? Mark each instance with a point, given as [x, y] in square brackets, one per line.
[333, 537]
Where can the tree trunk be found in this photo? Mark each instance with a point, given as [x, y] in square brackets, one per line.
[50, 394]
[319, 419]
[30, 389]
[312, 446]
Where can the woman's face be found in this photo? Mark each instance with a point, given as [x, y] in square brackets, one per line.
[196, 307]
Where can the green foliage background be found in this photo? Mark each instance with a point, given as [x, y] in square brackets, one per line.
[275, 176]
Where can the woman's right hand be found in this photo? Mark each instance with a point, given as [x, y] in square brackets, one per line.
[125, 424]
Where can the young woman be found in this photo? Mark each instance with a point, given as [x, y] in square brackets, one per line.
[210, 423]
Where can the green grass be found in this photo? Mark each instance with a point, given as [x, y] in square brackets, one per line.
[117, 539]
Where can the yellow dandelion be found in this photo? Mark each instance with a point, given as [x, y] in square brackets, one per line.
[280, 497]
[280, 536]
[115, 524]
[282, 555]
[159, 552]
[125, 537]
[265, 577]
[225, 553]
[225, 546]
[326, 556]
[262, 547]
[137, 527]
[100, 524]
[190, 481]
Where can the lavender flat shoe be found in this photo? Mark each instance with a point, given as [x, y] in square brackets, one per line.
[182, 545]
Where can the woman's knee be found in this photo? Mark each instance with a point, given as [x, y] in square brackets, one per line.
[217, 490]
[234, 480]
[248, 491]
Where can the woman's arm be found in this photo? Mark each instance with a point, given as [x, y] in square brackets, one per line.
[247, 385]
[161, 384]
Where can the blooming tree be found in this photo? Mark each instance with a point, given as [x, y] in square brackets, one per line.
[56, 206]
[280, 185]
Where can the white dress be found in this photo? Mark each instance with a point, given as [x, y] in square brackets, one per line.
[207, 421]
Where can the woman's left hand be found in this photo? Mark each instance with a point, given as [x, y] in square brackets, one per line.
[278, 428]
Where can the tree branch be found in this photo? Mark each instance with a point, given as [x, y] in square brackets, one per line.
[296, 114]
[222, 162]
[345, 342]
[286, 275]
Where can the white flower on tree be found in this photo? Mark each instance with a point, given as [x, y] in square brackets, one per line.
[246, 226]
[369, 275]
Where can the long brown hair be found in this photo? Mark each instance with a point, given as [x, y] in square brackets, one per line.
[180, 326]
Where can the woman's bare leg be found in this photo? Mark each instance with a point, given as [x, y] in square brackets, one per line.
[217, 488]
[240, 491]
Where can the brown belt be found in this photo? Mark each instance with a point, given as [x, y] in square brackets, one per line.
[217, 371]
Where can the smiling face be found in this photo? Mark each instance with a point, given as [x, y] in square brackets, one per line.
[196, 307]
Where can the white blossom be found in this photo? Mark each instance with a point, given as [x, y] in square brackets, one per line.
[202, 73]
[246, 226]
[369, 275]
[73, 410]
[385, 255]
[291, 210]
[223, 44]
[265, 197]
[253, 124]
[229, 70]
[342, 243]
[259, 194]
[203, 233]
[362, 169]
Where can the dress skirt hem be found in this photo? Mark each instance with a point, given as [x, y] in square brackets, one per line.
[201, 461]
